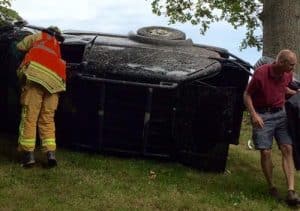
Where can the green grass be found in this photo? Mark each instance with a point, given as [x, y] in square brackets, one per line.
[95, 182]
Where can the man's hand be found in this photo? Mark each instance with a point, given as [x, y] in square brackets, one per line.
[257, 121]
[289, 91]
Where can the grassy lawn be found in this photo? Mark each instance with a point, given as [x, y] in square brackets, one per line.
[94, 182]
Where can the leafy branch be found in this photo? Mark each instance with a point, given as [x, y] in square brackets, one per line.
[7, 15]
[238, 13]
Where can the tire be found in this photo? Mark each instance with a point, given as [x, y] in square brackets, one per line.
[162, 33]
[161, 42]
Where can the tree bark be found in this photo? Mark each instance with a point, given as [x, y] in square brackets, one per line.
[281, 27]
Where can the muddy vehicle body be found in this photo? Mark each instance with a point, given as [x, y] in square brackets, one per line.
[152, 93]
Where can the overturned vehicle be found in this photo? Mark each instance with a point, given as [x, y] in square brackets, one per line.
[152, 93]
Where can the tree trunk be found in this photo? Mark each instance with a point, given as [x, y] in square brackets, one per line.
[281, 27]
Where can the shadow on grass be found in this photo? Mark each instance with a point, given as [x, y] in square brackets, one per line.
[8, 149]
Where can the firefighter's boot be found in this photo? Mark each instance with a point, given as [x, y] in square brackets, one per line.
[52, 162]
[28, 160]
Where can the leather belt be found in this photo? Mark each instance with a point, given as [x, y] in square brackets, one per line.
[269, 109]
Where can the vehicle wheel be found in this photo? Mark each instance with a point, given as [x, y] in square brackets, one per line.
[162, 42]
[163, 33]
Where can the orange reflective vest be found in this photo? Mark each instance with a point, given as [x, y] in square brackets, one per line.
[46, 52]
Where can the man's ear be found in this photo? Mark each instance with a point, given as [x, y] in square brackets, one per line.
[281, 62]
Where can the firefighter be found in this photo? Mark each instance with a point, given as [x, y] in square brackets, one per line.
[42, 74]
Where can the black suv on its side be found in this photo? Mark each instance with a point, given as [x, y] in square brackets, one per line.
[152, 93]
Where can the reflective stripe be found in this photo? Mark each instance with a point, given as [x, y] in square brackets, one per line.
[45, 70]
[27, 142]
[48, 142]
[45, 48]
[45, 77]
[21, 127]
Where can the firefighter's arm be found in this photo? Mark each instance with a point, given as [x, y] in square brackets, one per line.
[27, 42]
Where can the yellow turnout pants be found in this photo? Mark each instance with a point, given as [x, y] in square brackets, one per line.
[38, 110]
